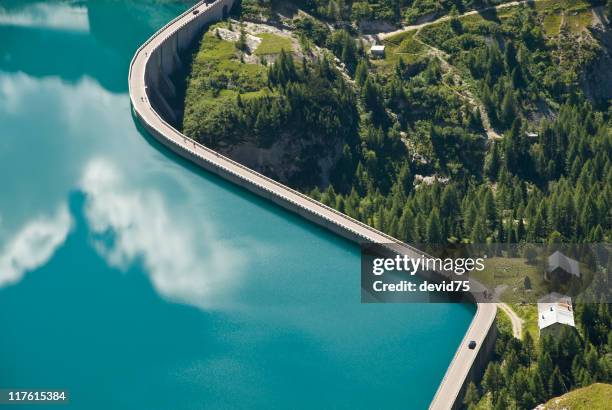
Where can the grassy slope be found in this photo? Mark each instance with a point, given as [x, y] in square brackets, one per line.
[503, 322]
[529, 313]
[576, 13]
[217, 63]
[593, 397]
[511, 273]
[272, 44]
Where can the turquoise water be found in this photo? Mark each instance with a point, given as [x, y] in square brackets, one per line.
[137, 281]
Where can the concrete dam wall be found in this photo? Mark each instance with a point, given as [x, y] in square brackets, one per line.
[168, 64]
[157, 68]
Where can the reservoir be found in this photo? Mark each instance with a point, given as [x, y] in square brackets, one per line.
[134, 280]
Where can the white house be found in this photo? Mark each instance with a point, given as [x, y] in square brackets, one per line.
[554, 312]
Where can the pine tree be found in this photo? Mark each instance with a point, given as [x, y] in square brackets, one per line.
[510, 56]
[405, 178]
[502, 402]
[537, 227]
[449, 204]
[493, 162]
[471, 396]
[591, 362]
[527, 400]
[540, 392]
[520, 230]
[508, 109]
[434, 233]
[492, 379]
[418, 234]
[545, 365]
[527, 283]
[361, 72]
[455, 23]
[479, 235]
[405, 225]
[528, 345]
[489, 210]
[241, 44]
[556, 386]
[517, 78]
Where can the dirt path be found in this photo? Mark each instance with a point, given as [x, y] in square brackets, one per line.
[467, 94]
[382, 36]
[517, 322]
[443, 57]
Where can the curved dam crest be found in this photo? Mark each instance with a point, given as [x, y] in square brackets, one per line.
[153, 95]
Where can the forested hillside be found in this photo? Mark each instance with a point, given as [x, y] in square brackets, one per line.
[475, 128]
[390, 11]
[524, 373]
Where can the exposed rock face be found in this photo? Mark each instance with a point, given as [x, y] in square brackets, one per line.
[287, 160]
[373, 26]
[596, 80]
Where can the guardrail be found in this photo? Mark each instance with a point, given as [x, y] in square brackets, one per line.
[157, 33]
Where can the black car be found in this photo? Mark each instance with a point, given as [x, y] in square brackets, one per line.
[472, 344]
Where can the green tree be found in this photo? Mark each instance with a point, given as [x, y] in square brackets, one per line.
[510, 56]
[545, 364]
[361, 72]
[556, 386]
[492, 162]
[528, 345]
[503, 401]
[492, 379]
[508, 112]
[479, 234]
[241, 44]
[434, 233]
[455, 23]
[471, 396]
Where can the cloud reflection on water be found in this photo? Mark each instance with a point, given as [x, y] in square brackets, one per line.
[186, 264]
[138, 204]
[33, 245]
[49, 16]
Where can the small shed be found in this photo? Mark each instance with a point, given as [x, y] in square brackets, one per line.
[562, 267]
[378, 51]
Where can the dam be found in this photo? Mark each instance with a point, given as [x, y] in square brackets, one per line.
[152, 93]
[143, 270]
